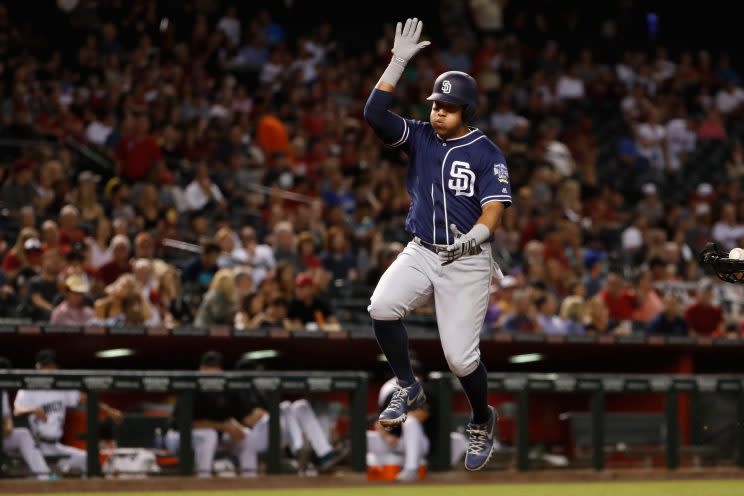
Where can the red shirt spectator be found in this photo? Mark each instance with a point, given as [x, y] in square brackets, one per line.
[702, 316]
[138, 153]
[621, 302]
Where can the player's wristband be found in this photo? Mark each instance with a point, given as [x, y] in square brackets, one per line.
[479, 233]
[394, 71]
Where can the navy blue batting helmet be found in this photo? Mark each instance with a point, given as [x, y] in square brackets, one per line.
[459, 88]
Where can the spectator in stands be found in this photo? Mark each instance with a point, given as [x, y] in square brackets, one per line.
[69, 228]
[123, 304]
[620, 300]
[703, 317]
[338, 258]
[572, 312]
[523, 318]
[307, 311]
[74, 309]
[597, 317]
[219, 305]
[548, 321]
[85, 198]
[594, 278]
[22, 256]
[202, 193]
[18, 440]
[649, 301]
[138, 154]
[669, 322]
[43, 288]
[99, 242]
[259, 256]
[250, 312]
[200, 270]
[119, 263]
[46, 410]
[728, 230]
[19, 191]
[284, 243]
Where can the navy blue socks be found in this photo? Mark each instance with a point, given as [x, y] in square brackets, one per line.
[475, 385]
[393, 340]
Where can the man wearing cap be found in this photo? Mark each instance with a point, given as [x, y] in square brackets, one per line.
[46, 411]
[19, 439]
[42, 288]
[306, 308]
[73, 310]
[217, 422]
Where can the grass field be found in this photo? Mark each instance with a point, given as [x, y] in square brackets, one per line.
[673, 488]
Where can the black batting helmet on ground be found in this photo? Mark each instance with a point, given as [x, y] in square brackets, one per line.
[459, 88]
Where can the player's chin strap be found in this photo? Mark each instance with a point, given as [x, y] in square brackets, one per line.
[727, 269]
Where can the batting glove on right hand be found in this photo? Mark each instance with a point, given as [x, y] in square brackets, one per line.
[406, 43]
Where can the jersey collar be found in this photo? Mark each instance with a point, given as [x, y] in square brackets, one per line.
[473, 130]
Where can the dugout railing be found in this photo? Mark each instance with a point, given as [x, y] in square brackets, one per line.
[597, 387]
[185, 384]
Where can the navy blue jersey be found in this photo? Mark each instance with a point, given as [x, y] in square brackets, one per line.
[449, 181]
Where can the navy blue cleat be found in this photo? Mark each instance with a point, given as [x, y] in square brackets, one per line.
[403, 400]
[480, 442]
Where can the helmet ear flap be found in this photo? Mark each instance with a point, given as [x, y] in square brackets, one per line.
[468, 113]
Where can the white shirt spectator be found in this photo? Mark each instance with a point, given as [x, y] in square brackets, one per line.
[728, 101]
[632, 238]
[97, 132]
[262, 261]
[197, 199]
[231, 27]
[728, 235]
[680, 140]
[551, 324]
[560, 157]
[650, 143]
[569, 88]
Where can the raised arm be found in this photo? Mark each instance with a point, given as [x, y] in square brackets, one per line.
[390, 127]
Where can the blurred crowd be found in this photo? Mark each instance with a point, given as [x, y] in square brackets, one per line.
[212, 168]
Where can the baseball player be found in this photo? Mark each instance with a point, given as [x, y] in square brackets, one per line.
[297, 422]
[216, 425]
[459, 186]
[19, 439]
[46, 410]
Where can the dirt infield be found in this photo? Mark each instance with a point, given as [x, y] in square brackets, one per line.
[349, 479]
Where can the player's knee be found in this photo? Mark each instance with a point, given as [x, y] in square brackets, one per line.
[385, 308]
[22, 434]
[206, 438]
[462, 366]
[300, 405]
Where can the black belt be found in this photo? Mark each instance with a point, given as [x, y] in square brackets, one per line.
[430, 246]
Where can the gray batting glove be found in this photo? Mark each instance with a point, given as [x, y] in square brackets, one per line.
[406, 43]
[463, 245]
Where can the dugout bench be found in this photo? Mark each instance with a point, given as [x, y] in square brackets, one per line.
[271, 384]
[597, 387]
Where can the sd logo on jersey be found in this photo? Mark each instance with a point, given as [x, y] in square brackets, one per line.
[500, 171]
[462, 179]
